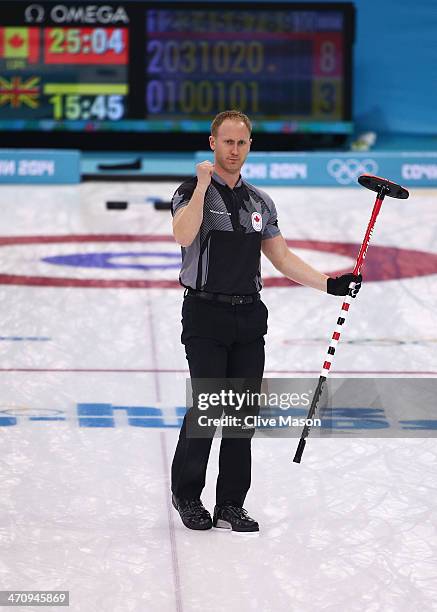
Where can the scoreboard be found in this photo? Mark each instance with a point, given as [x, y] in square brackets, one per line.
[270, 64]
[170, 67]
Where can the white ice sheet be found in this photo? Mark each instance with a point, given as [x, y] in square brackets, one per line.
[86, 508]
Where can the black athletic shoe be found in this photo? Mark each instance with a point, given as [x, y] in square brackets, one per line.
[192, 513]
[231, 516]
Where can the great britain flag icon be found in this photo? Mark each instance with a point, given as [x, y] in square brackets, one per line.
[17, 92]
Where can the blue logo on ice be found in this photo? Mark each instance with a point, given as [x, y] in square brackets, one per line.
[107, 415]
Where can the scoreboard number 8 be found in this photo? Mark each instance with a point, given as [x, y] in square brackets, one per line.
[327, 57]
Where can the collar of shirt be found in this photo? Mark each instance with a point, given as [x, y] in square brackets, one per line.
[219, 179]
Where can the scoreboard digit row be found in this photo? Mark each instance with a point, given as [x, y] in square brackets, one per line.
[240, 57]
[206, 97]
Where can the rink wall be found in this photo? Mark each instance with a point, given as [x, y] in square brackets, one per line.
[306, 169]
[331, 169]
[39, 166]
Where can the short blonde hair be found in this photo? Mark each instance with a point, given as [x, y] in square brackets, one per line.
[234, 115]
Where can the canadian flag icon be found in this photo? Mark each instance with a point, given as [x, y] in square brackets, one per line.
[257, 222]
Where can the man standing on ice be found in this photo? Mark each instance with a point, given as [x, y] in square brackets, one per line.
[223, 223]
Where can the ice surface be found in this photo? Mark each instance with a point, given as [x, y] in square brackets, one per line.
[92, 379]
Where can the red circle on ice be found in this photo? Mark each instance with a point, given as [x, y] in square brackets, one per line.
[382, 262]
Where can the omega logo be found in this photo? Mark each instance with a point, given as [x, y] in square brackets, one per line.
[62, 13]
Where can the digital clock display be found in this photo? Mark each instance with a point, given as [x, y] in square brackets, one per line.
[86, 46]
[54, 73]
[160, 67]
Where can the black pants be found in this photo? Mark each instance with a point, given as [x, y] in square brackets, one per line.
[221, 342]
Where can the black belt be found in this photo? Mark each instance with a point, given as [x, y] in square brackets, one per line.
[222, 297]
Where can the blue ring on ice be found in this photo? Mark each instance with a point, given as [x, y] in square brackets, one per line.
[106, 260]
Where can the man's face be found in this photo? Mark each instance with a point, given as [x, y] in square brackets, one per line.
[231, 145]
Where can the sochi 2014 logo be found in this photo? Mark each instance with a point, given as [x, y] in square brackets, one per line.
[346, 171]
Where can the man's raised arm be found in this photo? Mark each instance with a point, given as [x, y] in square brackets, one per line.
[188, 219]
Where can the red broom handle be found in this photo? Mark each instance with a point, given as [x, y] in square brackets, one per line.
[335, 338]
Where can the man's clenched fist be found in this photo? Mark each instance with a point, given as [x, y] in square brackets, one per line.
[204, 172]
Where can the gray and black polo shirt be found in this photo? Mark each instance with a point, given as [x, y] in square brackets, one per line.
[226, 253]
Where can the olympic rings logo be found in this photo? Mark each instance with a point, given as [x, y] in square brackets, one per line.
[346, 171]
